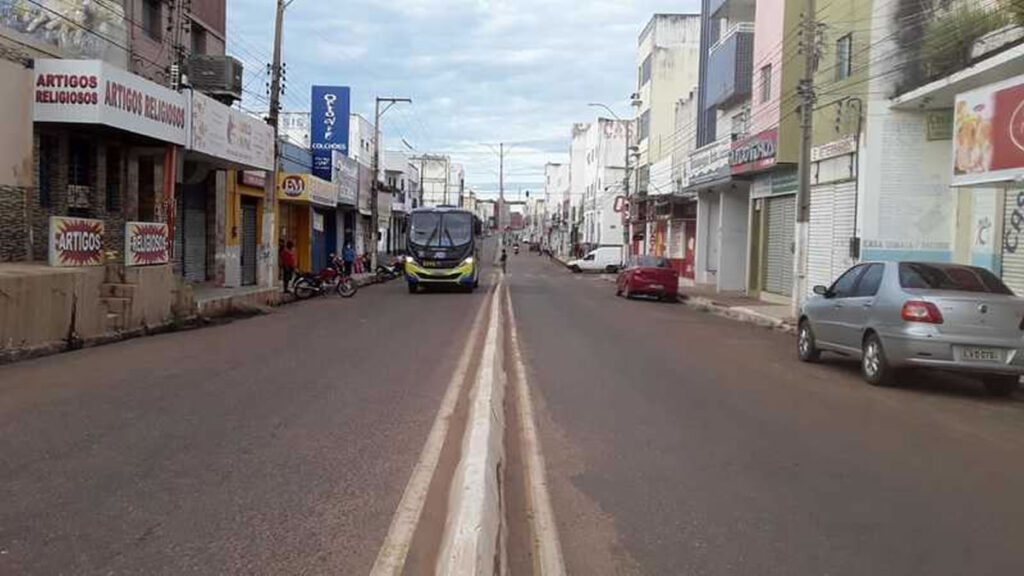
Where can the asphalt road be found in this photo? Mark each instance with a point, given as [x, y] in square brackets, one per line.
[681, 443]
[274, 445]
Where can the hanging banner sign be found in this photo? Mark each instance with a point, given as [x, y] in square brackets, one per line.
[328, 127]
[75, 241]
[145, 244]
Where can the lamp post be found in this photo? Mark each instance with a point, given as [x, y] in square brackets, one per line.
[374, 185]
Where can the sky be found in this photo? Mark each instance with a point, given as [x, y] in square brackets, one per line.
[479, 72]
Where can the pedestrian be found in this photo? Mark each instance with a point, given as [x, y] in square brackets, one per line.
[348, 256]
[287, 259]
[504, 260]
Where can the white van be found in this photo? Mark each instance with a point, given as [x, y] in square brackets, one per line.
[603, 259]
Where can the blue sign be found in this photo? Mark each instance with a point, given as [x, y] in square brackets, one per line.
[328, 127]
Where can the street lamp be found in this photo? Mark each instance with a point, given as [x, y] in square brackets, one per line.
[625, 179]
[374, 184]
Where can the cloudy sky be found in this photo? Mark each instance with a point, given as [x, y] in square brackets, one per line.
[479, 71]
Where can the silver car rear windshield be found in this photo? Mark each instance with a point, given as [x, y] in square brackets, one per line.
[919, 276]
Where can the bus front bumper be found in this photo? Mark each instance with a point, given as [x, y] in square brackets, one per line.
[463, 274]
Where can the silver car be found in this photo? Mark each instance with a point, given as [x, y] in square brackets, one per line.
[895, 315]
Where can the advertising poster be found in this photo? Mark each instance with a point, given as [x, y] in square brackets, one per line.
[145, 244]
[988, 134]
[328, 127]
[75, 241]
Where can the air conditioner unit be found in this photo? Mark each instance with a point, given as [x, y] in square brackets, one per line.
[216, 76]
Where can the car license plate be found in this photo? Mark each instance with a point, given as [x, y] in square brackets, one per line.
[982, 354]
[657, 287]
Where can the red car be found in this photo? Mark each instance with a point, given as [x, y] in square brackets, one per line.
[648, 276]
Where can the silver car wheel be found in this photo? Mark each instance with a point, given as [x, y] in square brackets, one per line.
[872, 359]
[805, 340]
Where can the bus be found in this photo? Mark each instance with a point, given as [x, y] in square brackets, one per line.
[443, 249]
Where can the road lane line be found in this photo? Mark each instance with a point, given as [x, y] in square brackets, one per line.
[548, 559]
[473, 542]
[392, 555]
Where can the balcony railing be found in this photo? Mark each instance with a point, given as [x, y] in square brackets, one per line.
[732, 10]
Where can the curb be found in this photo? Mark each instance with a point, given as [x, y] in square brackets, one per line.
[738, 313]
[473, 542]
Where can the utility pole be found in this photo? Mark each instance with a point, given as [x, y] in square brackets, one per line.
[501, 188]
[270, 186]
[375, 183]
[809, 44]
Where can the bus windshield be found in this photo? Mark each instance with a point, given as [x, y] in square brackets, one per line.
[434, 229]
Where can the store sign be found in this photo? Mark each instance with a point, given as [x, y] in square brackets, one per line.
[939, 125]
[346, 178]
[841, 147]
[988, 134]
[94, 92]
[75, 241]
[146, 244]
[228, 134]
[306, 188]
[253, 178]
[754, 153]
[710, 163]
[328, 127]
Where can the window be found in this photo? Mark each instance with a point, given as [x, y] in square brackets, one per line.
[916, 276]
[48, 151]
[198, 38]
[844, 57]
[739, 126]
[843, 287]
[870, 281]
[645, 126]
[80, 163]
[766, 83]
[113, 179]
[152, 10]
[645, 71]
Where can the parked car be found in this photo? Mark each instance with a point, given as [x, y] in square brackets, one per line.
[895, 315]
[648, 276]
[603, 259]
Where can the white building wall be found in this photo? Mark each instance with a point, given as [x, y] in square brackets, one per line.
[360, 140]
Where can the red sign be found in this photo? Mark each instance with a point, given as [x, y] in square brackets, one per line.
[754, 153]
[988, 134]
[76, 241]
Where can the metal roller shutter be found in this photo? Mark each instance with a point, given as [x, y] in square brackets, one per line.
[833, 213]
[248, 242]
[778, 274]
[195, 235]
[179, 234]
[1013, 260]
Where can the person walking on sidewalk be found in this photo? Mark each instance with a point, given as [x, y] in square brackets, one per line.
[287, 259]
[348, 256]
[504, 260]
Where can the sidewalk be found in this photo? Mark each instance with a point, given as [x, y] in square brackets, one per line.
[213, 301]
[739, 306]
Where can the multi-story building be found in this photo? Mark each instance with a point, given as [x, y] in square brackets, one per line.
[577, 186]
[603, 173]
[556, 196]
[767, 157]
[668, 64]
[723, 117]
[435, 178]
[402, 180]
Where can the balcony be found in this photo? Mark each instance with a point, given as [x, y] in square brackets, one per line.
[732, 10]
[731, 67]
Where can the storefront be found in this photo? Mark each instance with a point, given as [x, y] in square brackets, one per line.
[221, 196]
[107, 144]
[988, 168]
[772, 211]
[722, 219]
[346, 180]
[307, 208]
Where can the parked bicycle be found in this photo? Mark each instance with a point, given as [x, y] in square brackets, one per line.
[332, 277]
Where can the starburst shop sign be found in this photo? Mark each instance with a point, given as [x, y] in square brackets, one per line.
[76, 241]
[145, 244]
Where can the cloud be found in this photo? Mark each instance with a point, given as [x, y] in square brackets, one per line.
[478, 71]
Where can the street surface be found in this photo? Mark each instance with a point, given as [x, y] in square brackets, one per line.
[676, 442]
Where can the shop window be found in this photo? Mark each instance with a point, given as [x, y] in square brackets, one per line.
[49, 149]
[114, 179]
[151, 19]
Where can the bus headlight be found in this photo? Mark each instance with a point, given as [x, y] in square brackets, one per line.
[410, 260]
[468, 261]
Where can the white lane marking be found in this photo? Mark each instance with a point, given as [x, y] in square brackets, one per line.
[472, 535]
[393, 552]
[547, 546]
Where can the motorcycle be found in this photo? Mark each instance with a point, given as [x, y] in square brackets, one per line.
[332, 277]
[515, 250]
[387, 272]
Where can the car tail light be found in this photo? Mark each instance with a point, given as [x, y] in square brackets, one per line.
[921, 311]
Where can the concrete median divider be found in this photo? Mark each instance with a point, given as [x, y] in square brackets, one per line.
[474, 534]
